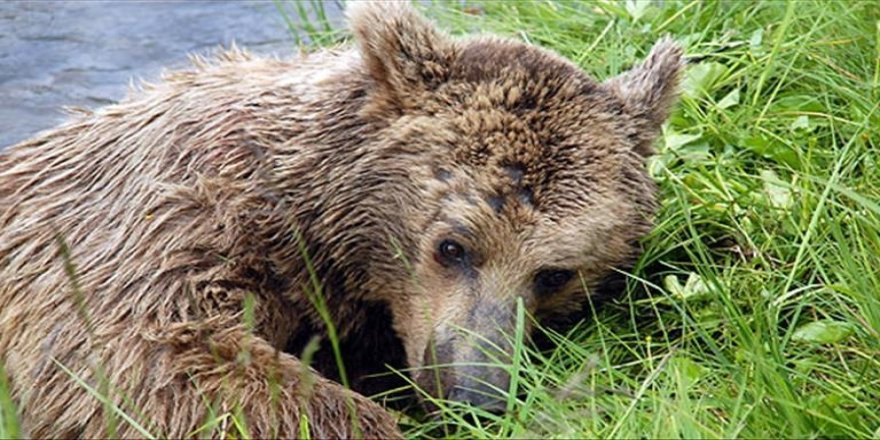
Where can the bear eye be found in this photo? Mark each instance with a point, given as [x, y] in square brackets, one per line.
[549, 281]
[450, 252]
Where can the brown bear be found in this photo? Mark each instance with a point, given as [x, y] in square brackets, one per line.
[165, 261]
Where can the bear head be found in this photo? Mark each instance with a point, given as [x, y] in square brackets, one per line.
[529, 185]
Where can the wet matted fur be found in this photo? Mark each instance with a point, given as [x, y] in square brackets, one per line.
[428, 184]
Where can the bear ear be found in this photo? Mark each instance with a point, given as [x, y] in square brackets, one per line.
[649, 90]
[403, 52]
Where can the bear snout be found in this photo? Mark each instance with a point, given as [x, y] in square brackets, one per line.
[468, 368]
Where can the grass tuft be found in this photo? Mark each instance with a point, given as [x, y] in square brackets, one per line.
[9, 425]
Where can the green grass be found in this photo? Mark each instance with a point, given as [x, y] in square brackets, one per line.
[9, 426]
[755, 311]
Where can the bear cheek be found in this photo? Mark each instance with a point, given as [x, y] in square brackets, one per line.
[440, 300]
[415, 325]
[569, 302]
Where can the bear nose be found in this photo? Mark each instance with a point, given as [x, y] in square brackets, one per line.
[480, 396]
[466, 374]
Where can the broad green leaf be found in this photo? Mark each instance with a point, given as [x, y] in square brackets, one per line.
[797, 103]
[779, 152]
[700, 79]
[694, 288]
[825, 331]
[756, 38]
[689, 370]
[657, 164]
[637, 8]
[674, 140]
[777, 192]
[695, 152]
[672, 285]
[801, 123]
[729, 100]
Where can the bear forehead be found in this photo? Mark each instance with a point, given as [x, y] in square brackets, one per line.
[489, 58]
[550, 160]
[554, 183]
[515, 105]
[536, 134]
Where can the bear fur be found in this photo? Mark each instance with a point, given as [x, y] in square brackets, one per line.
[178, 251]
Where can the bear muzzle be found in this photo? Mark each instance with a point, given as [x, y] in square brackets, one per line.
[470, 365]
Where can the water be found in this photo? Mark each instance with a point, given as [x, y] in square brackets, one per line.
[84, 53]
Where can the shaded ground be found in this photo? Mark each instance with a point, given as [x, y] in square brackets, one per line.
[84, 53]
